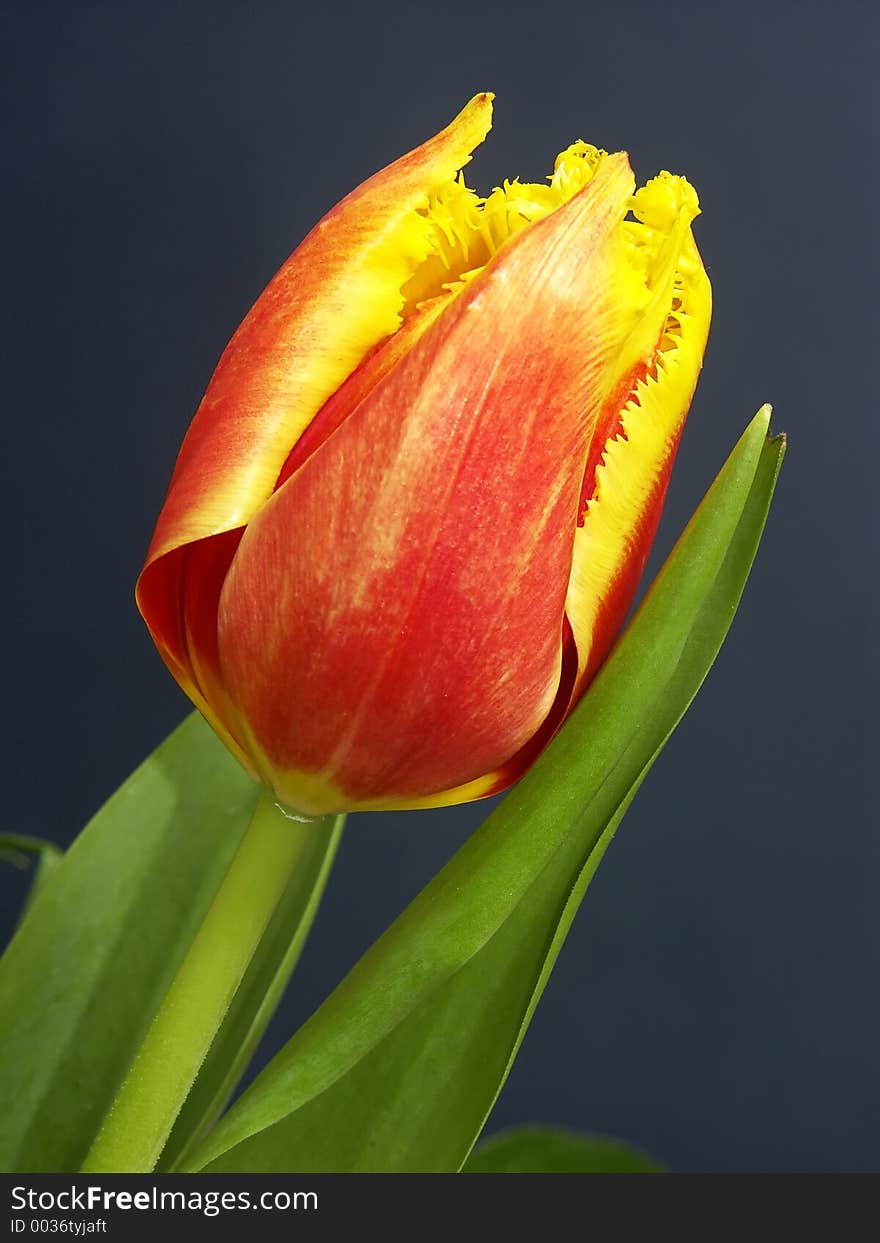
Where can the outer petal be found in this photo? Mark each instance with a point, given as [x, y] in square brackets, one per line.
[391, 625]
[627, 488]
[332, 301]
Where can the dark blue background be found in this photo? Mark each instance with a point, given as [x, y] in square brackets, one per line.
[717, 999]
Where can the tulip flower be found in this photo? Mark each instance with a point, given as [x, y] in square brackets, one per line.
[413, 507]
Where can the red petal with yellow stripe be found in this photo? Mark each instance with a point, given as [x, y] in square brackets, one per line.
[337, 296]
[391, 626]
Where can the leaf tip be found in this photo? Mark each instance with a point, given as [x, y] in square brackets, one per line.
[762, 418]
[761, 424]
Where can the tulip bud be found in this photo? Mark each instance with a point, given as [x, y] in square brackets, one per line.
[413, 507]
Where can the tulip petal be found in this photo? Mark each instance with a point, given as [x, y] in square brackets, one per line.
[406, 585]
[628, 474]
[205, 565]
[336, 297]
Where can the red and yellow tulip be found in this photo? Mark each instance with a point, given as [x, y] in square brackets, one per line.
[412, 509]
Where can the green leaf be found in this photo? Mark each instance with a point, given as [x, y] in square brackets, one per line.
[401, 1065]
[553, 1150]
[96, 951]
[21, 851]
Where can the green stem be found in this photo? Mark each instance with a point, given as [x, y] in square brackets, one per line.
[257, 998]
[151, 1095]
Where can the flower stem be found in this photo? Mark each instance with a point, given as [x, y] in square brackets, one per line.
[150, 1097]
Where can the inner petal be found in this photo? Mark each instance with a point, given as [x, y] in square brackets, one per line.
[458, 232]
[466, 230]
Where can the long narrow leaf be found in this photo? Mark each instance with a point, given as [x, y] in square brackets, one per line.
[554, 1150]
[23, 851]
[95, 953]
